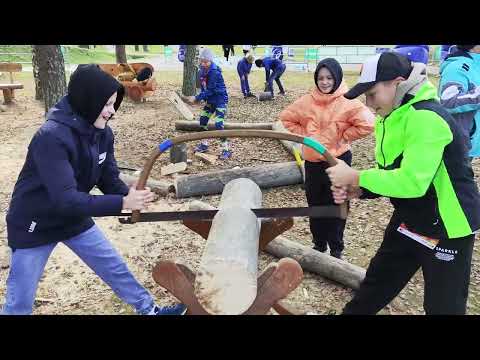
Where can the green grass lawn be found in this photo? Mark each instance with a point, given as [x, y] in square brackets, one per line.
[76, 55]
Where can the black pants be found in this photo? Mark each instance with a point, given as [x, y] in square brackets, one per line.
[226, 51]
[318, 192]
[446, 273]
[245, 52]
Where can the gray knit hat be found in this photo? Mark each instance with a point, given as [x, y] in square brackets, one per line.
[206, 54]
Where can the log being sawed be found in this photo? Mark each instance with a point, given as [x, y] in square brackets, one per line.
[226, 281]
[186, 125]
[280, 306]
[311, 260]
[265, 176]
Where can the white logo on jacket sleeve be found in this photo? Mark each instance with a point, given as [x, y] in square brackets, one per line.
[32, 227]
[450, 92]
[102, 157]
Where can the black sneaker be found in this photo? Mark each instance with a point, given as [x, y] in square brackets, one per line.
[322, 250]
[336, 254]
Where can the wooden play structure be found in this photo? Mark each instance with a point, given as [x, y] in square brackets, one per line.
[137, 91]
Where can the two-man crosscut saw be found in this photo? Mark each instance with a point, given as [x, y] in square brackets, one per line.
[315, 211]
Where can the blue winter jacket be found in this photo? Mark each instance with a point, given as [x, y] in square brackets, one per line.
[66, 158]
[271, 64]
[244, 67]
[213, 89]
[459, 92]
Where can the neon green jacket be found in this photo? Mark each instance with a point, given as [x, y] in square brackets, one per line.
[423, 167]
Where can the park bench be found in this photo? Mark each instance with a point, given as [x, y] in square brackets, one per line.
[8, 88]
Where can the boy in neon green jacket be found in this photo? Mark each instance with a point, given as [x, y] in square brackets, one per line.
[424, 168]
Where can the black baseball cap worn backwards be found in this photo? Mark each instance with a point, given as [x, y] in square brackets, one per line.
[381, 67]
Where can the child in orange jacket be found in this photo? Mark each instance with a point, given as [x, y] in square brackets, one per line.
[325, 115]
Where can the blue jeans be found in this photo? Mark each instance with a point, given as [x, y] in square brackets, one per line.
[27, 266]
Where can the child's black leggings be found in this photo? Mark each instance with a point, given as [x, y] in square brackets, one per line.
[318, 192]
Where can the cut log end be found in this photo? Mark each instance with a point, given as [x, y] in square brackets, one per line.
[230, 292]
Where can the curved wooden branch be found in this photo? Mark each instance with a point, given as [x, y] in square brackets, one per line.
[167, 144]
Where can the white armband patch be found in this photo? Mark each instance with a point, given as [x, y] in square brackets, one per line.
[450, 92]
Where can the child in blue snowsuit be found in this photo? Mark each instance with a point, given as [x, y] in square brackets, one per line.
[214, 93]
[459, 90]
[243, 68]
[274, 68]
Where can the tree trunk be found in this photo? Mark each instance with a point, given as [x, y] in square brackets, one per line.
[145, 48]
[319, 263]
[36, 77]
[226, 281]
[190, 71]
[120, 54]
[51, 71]
[213, 183]
[186, 125]
[137, 48]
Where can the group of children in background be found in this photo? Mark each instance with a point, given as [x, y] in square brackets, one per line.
[213, 91]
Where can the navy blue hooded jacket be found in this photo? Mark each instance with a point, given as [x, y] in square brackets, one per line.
[271, 64]
[214, 91]
[244, 67]
[66, 158]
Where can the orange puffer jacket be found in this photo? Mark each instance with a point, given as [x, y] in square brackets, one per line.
[330, 119]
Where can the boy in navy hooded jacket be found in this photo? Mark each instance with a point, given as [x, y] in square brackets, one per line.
[70, 154]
